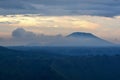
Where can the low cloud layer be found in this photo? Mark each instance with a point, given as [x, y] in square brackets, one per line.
[61, 7]
[21, 37]
[27, 38]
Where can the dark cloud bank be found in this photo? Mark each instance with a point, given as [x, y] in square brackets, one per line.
[61, 7]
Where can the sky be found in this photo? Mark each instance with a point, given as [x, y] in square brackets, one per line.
[61, 17]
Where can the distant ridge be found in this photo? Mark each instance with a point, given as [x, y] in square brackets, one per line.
[88, 39]
[6, 50]
[81, 34]
[3, 48]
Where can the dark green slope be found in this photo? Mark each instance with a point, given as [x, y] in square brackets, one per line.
[27, 68]
[43, 65]
[89, 67]
[19, 65]
[3, 49]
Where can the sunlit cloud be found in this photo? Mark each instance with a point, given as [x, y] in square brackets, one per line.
[47, 21]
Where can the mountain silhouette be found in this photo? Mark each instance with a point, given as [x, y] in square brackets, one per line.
[87, 39]
[3, 48]
[6, 50]
[81, 34]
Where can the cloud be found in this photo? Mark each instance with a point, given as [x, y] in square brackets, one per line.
[61, 7]
[22, 37]
[14, 4]
[48, 21]
[52, 25]
[21, 33]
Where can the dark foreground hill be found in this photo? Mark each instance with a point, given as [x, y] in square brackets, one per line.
[48, 65]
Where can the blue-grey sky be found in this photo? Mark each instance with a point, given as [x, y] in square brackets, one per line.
[61, 7]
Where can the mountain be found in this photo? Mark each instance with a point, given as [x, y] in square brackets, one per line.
[80, 39]
[81, 34]
[3, 49]
[87, 39]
